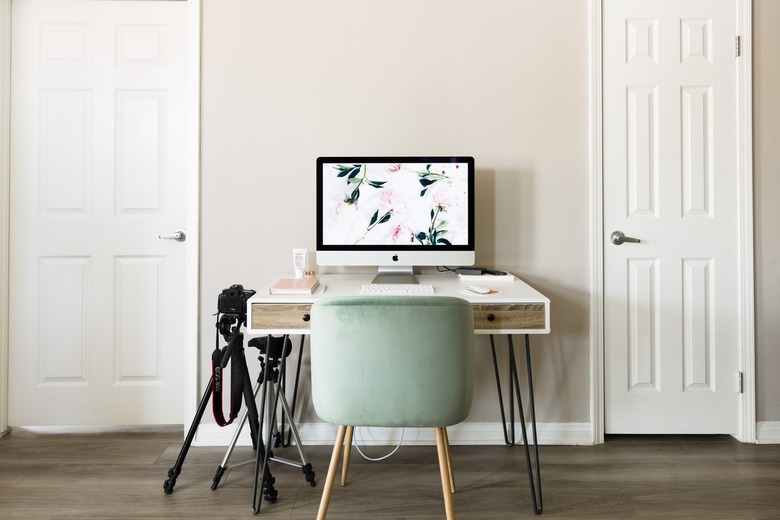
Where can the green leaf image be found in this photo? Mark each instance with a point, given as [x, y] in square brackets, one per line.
[353, 198]
[347, 170]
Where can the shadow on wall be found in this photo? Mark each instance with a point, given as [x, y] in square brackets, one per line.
[504, 206]
[505, 227]
[561, 359]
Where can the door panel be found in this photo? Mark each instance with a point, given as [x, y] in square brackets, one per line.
[670, 179]
[97, 172]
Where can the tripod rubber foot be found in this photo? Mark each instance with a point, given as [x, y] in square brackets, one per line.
[217, 477]
[170, 481]
[309, 474]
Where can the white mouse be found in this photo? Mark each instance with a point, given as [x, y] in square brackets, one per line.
[479, 289]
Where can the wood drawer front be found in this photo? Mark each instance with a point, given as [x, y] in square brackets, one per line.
[486, 317]
[287, 316]
[509, 316]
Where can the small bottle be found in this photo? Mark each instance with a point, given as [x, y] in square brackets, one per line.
[299, 262]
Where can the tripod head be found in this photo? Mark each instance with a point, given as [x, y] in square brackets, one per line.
[231, 310]
[228, 325]
[278, 348]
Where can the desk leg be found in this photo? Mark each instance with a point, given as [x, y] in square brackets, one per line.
[534, 470]
[509, 441]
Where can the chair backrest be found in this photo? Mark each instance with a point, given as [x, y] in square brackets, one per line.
[392, 360]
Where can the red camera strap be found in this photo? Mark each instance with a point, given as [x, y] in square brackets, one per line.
[217, 384]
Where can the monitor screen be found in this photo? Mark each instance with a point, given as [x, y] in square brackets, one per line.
[395, 211]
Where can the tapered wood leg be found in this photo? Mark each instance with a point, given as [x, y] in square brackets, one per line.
[347, 452]
[444, 470]
[331, 478]
[449, 460]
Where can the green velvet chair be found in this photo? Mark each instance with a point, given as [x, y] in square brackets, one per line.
[392, 361]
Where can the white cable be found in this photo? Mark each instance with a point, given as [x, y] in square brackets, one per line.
[357, 446]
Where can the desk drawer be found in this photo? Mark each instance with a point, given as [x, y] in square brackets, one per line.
[509, 316]
[280, 316]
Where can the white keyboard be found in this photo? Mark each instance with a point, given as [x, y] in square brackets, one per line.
[396, 288]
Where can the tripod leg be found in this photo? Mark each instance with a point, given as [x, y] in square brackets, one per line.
[251, 405]
[305, 464]
[224, 465]
[295, 388]
[175, 471]
[264, 483]
[263, 451]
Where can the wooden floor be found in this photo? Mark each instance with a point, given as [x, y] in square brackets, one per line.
[120, 475]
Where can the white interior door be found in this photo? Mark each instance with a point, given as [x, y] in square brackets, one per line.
[97, 172]
[671, 180]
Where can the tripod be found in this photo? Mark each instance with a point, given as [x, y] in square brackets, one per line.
[234, 349]
[271, 380]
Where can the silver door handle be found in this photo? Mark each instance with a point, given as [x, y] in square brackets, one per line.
[618, 238]
[180, 235]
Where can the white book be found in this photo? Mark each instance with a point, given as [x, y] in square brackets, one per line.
[294, 286]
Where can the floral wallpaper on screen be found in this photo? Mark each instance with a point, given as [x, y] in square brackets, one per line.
[395, 204]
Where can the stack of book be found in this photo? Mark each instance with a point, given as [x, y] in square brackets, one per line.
[294, 286]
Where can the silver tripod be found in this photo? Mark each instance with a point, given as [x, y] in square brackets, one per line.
[273, 355]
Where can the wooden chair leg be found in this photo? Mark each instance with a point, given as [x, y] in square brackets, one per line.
[347, 452]
[331, 478]
[444, 470]
[449, 460]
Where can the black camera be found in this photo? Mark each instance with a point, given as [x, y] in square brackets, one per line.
[233, 300]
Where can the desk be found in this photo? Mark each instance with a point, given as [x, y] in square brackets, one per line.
[517, 308]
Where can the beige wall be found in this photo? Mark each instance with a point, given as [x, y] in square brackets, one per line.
[505, 81]
[766, 170]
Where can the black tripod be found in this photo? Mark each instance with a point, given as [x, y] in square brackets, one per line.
[273, 353]
[234, 349]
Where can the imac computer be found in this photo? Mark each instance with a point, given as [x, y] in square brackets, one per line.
[395, 213]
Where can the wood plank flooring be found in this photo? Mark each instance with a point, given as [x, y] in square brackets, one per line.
[120, 475]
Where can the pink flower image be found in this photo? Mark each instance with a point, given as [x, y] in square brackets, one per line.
[402, 234]
[441, 203]
[392, 202]
[393, 167]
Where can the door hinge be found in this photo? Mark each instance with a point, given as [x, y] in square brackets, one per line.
[740, 383]
[738, 46]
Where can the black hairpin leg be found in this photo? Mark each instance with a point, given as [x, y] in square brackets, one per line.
[509, 440]
[534, 470]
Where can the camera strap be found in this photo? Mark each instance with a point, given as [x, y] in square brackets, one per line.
[219, 360]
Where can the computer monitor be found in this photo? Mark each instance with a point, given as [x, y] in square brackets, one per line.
[395, 213]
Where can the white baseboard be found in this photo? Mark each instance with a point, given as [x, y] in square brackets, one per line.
[471, 433]
[768, 432]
